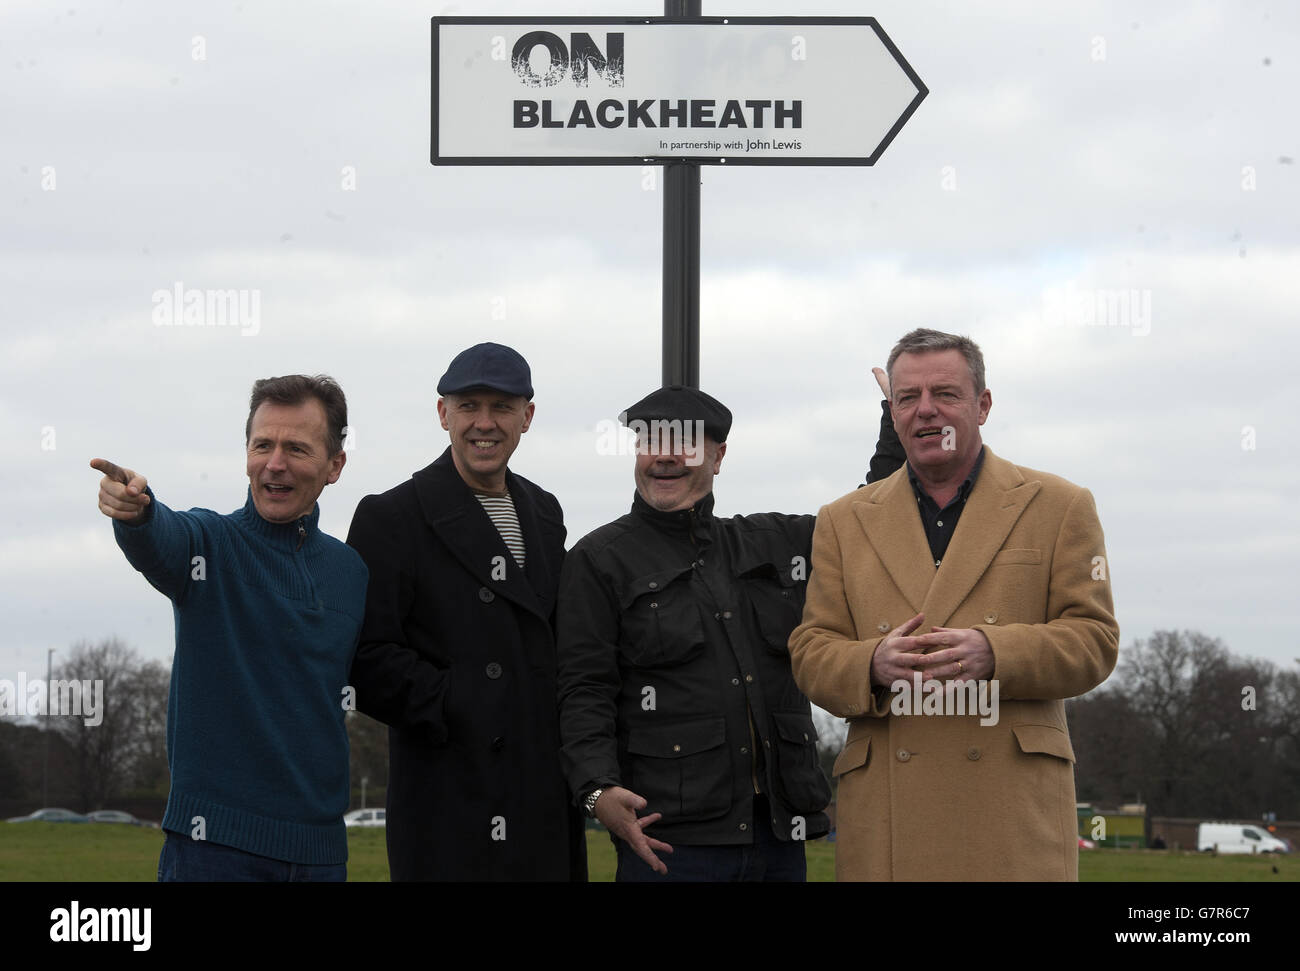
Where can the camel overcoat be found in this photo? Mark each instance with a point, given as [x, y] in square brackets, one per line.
[940, 796]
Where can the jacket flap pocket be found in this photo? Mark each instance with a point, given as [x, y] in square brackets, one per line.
[1030, 557]
[676, 741]
[795, 726]
[650, 583]
[1045, 739]
[760, 565]
[854, 755]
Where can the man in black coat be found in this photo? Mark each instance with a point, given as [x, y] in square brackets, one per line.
[457, 652]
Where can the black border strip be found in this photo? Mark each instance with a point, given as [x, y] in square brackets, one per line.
[871, 22]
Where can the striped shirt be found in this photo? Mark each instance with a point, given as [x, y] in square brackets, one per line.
[501, 510]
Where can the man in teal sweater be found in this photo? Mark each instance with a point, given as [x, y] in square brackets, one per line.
[268, 609]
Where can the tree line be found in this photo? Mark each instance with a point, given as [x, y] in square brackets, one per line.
[1183, 725]
[1191, 729]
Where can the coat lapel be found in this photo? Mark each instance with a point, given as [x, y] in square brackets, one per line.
[542, 533]
[464, 528]
[893, 528]
[1000, 495]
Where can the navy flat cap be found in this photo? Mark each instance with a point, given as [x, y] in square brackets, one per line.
[684, 404]
[488, 365]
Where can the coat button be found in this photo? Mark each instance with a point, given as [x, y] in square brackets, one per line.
[735, 680]
[990, 618]
[493, 670]
[486, 595]
[498, 743]
[883, 627]
[853, 709]
[744, 826]
[973, 754]
[677, 748]
[904, 755]
[726, 615]
[744, 750]
[654, 585]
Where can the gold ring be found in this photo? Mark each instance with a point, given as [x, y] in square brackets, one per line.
[960, 669]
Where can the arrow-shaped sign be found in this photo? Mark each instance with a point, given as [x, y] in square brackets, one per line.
[740, 90]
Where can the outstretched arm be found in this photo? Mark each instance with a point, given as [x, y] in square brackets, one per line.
[158, 542]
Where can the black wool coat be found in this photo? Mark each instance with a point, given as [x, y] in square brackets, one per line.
[457, 657]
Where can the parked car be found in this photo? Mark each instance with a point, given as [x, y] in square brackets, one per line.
[114, 816]
[365, 817]
[1237, 838]
[51, 816]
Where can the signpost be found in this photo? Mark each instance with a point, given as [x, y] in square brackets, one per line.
[679, 90]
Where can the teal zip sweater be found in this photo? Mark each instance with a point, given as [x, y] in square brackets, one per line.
[267, 620]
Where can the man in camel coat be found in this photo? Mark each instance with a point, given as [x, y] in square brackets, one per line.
[950, 609]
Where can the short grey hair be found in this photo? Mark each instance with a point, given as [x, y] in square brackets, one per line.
[922, 340]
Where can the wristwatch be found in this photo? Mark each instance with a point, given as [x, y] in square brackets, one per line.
[589, 804]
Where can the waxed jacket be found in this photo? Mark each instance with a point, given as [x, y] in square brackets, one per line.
[674, 673]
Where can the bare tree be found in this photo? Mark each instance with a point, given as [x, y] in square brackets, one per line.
[1286, 729]
[147, 692]
[104, 735]
[1113, 745]
[1173, 681]
[1210, 729]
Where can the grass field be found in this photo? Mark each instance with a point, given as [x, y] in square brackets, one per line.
[102, 852]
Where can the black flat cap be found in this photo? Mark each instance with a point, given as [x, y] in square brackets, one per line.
[684, 404]
[488, 365]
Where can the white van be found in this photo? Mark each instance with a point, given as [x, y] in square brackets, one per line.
[365, 817]
[1237, 838]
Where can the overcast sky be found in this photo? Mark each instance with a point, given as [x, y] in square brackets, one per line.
[1097, 148]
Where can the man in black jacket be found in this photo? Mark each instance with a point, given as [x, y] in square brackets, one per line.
[457, 651]
[675, 685]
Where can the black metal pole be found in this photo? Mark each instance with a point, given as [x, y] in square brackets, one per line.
[45, 735]
[681, 287]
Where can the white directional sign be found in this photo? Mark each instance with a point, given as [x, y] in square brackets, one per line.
[741, 90]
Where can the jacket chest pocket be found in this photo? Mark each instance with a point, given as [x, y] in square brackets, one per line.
[682, 769]
[662, 625]
[777, 603]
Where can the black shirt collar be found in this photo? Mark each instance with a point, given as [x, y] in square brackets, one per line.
[962, 492]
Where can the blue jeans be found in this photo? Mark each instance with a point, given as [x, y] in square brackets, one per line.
[185, 860]
[766, 859]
